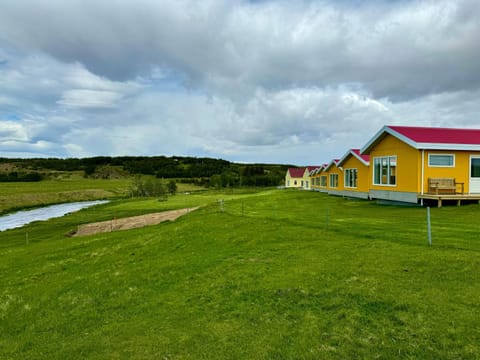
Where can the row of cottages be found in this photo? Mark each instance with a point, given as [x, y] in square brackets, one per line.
[348, 176]
[407, 164]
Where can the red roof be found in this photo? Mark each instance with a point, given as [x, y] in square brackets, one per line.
[296, 172]
[439, 135]
[355, 153]
[311, 168]
[365, 158]
[334, 161]
[429, 138]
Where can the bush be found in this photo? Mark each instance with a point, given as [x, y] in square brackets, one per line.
[147, 188]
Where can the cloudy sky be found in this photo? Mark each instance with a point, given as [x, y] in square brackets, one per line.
[277, 81]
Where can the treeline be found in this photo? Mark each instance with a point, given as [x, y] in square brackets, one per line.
[202, 171]
[15, 176]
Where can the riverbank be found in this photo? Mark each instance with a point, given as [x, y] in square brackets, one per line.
[24, 217]
[21, 196]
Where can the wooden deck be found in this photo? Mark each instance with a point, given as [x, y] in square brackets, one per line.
[455, 197]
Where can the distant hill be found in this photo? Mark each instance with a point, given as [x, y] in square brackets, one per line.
[202, 171]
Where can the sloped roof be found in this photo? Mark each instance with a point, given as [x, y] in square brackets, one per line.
[429, 138]
[296, 172]
[365, 159]
[311, 168]
[333, 162]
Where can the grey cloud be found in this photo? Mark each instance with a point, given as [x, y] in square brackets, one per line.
[275, 81]
[399, 50]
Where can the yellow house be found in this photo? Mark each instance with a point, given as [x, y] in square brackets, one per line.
[334, 177]
[299, 177]
[356, 174]
[409, 162]
[318, 179]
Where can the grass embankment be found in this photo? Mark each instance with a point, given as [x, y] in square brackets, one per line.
[18, 195]
[280, 274]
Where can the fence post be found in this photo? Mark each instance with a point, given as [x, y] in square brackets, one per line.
[326, 219]
[429, 227]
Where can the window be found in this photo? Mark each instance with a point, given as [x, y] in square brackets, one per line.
[441, 160]
[295, 182]
[323, 180]
[351, 178]
[317, 181]
[333, 180]
[385, 170]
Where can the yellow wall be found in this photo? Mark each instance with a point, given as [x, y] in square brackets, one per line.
[313, 179]
[292, 181]
[461, 171]
[301, 182]
[334, 170]
[363, 173]
[307, 177]
[408, 164]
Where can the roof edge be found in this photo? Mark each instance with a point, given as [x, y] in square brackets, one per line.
[386, 129]
[353, 153]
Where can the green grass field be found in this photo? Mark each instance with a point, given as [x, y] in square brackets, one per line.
[275, 275]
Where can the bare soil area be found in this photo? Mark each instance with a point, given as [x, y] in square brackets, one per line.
[130, 222]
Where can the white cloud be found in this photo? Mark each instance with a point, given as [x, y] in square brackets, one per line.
[276, 81]
[12, 131]
[90, 98]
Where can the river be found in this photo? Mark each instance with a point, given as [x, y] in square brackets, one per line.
[24, 217]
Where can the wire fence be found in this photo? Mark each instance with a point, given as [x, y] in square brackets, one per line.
[448, 227]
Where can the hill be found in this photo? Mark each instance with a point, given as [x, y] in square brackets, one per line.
[201, 171]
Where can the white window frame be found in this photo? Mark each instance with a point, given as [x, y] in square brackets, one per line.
[330, 183]
[441, 166]
[347, 174]
[388, 170]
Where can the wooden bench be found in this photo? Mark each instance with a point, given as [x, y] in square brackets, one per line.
[444, 186]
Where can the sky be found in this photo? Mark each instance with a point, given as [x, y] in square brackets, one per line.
[275, 81]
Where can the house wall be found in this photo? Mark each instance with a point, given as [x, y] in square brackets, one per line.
[363, 174]
[298, 182]
[307, 181]
[292, 181]
[313, 180]
[408, 171]
[334, 170]
[408, 165]
[461, 170]
[320, 187]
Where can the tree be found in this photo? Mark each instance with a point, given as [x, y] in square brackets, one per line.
[172, 187]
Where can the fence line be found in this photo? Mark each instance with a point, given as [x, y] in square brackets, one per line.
[421, 226]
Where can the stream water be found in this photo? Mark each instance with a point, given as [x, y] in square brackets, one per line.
[24, 217]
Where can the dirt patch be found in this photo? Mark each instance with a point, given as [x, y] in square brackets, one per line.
[130, 222]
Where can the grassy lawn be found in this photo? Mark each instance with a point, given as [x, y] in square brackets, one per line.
[275, 275]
